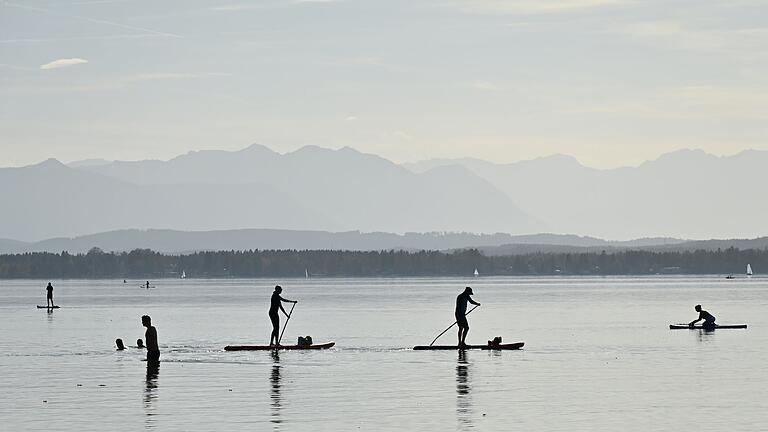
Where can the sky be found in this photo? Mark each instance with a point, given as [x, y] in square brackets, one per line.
[611, 82]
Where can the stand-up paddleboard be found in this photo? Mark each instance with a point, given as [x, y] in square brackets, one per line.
[144, 286]
[47, 307]
[281, 347]
[511, 346]
[701, 327]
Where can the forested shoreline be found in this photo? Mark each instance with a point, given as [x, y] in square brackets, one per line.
[144, 263]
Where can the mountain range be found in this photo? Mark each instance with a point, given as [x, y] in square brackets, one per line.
[177, 242]
[685, 194]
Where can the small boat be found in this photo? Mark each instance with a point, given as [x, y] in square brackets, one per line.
[730, 276]
[510, 346]
[306, 273]
[183, 274]
[280, 347]
[477, 273]
[47, 307]
[749, 270]
[701, 327]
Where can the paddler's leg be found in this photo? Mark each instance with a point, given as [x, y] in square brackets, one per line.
[275, 318]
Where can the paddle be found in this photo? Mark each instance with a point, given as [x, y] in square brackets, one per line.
[454, 323]
[286, 324]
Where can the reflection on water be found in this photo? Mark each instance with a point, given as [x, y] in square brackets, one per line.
[50, 315]
[150, 392]
[274, 380]
[704, 335]
[463, 398]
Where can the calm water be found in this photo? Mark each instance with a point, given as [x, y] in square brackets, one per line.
[598, 356]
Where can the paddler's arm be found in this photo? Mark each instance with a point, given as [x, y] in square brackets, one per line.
[694, 322]
[473, 302]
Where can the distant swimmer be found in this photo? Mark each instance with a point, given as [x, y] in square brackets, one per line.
[275, 305]
[461, 313]
[153, 351]
[49, 295]
[119, 344]
[140, 344]
[709, 319]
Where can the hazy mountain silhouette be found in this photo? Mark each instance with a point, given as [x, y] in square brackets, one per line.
[687, 193]
[172, 241]
[312, 188]
[185, 241]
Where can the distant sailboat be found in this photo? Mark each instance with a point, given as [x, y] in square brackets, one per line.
[477, 273]
[749, 270]
[183, 274]
[306, 273]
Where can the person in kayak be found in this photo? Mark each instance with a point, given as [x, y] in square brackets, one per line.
[709, 319]
[153, 351]
[275, 305]
[49, 295]
[461, 313]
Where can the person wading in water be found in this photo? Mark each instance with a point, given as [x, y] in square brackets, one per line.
[275, 305]
[461, 313]
[153, 351]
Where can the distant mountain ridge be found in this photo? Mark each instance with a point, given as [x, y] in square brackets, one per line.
[311, 188]
[170, 241]
[686, 193]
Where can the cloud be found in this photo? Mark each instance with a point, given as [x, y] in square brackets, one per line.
[65, 62]
[531, 6]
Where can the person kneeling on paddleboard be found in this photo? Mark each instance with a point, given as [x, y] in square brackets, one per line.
[709, 319]
[276, 304]
[461, 313]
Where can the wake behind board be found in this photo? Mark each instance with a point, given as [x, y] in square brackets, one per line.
[511, 346]
[700, 327]
[281, 347]
[47, 307]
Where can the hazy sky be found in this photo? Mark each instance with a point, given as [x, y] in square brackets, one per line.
[612, 82]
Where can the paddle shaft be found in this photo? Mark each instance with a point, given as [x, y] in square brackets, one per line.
[454, 323]
[286, 324]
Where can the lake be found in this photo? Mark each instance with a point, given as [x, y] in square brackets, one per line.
[598, 356]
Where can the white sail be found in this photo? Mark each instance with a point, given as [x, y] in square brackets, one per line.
[477, 273]
[749, 270]
[183, 274]
[306, 273]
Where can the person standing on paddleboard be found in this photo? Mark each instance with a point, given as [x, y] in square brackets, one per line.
[461, 313]
[49, 295]
[709, 319]
[275, 305]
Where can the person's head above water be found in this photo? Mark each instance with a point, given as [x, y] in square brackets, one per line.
[468, 290]
[146, 321]
[278, 289]
[119, 344]
[698, 308]
[139, 343]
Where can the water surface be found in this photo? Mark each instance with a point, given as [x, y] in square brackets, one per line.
[598, 356]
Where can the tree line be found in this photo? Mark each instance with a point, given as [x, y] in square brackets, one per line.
[145, 263]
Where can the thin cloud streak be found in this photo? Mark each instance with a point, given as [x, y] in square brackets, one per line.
[93, 20]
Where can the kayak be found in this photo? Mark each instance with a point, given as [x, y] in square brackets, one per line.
[281, 347]
[47, 307]
[700, 327]
[511, 346]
